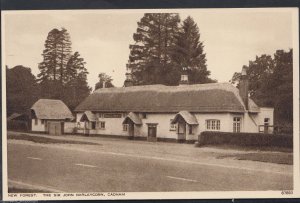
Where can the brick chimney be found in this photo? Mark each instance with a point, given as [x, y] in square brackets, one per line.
[244, 87]
[128, 81]
[184, 79]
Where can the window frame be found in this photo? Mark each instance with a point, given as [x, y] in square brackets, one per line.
[213, 124]
[173, 127]
[144, 115]
[102, 125]
[237, 124]
[266, 123]
[125, 127]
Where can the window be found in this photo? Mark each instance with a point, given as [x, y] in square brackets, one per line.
[237, 124]
[93, 127]
[213, 124]
[101, 125]
[190, 129]
[144, 115]
[42, 121]
[35, 121]
[125, 127]
[173, 127]
[266, 121]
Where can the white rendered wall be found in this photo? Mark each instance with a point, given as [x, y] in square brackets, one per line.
[266, 113]
[163, 127]
[69, 127]
[39, 127]
[113, 126]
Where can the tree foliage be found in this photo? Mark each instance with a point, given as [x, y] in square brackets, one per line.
[271, 83]
[76, 87]
[151, 56]
[62, 74]
[190, 52]
[22, 89]
[104, 79]
[162, 48]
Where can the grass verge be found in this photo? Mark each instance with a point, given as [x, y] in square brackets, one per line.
[251, 148]
[23, 190]
[46, 140]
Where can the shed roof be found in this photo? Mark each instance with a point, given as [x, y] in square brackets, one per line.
[212, 97]
[187, 116]
[51, 109]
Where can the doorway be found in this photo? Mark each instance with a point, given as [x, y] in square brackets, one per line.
[131, 129]
[181, 132]
[55, 128]
[152, 132]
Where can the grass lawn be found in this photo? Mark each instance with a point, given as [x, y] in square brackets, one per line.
[278, 158]
[23, 190]
[46, 140]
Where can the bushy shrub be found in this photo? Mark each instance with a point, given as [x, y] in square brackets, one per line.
[245, 139]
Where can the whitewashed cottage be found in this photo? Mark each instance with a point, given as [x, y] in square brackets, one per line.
[159, 112]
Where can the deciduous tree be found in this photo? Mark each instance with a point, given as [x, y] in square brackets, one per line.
[271, 83]
[22, 89]
[104, 79]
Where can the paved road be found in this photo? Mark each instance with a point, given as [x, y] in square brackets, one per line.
[78, 169]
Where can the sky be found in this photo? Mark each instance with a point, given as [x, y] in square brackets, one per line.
[231, 37]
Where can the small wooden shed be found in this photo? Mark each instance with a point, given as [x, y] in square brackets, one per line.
[49, 115]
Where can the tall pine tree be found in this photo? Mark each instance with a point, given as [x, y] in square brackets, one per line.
[151, 56]
[190, 54]
[48, 67]
[75, 87]
[64, 53]
[62, 75]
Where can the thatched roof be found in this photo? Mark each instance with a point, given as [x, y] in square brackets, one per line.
[17, 116]
[51, 109]
[187, 116]
[134, 118]
[212, 97]
[88, 116]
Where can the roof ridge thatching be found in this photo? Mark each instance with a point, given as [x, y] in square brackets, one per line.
[211, 97]
[51, 109]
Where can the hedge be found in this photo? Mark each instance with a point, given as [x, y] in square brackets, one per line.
[17, 125]
[245, 139]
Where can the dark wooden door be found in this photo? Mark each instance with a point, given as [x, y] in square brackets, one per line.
[55, 128]
[131, 130]
[152, 131]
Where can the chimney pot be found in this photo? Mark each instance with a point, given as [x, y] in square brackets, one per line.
[244, 71]
[184, 79]
[244, 87]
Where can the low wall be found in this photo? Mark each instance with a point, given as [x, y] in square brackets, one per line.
[69, 127]
[245, 139]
